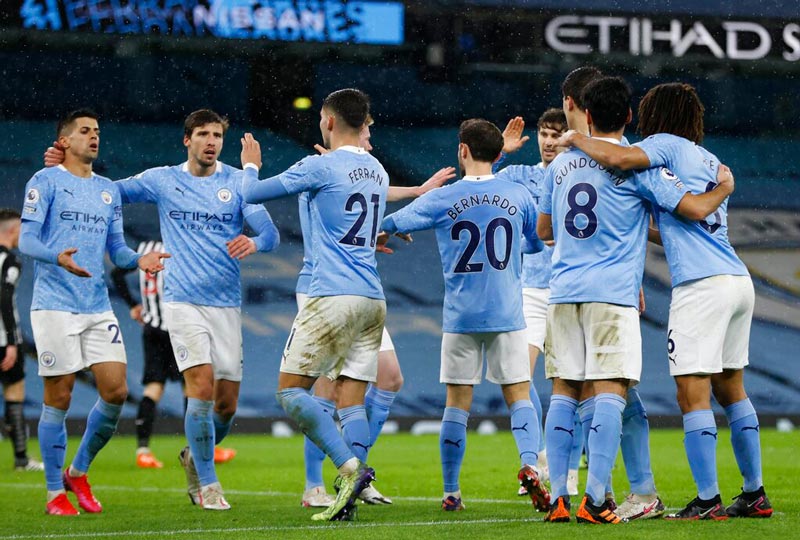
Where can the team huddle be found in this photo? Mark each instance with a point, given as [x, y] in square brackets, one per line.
[545, 258]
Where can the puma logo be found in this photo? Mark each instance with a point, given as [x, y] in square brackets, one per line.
[595, 428]
[570, 431]
[69, 192]
[365, 447]
[708, 433]
[179, 190]
[754, 428]
[457, 443]
[524, 427]
[59, 447]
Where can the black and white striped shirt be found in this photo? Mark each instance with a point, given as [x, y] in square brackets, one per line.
[150, 288]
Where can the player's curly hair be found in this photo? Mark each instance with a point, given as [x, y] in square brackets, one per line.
[672, 108]
[202, 117]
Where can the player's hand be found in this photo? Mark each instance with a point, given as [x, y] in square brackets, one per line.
[151, 262]
[66, 262]
[642, 305]
[512, 135]
[241, 246]
[439, 178]
[251, 150]
[321, 149]
[567, 138]
[136, 313]
[10, 359]
[725, 179]
[54, 155]
[383, 238]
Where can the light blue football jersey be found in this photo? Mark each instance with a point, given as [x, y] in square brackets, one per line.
[304, 211]
[694, 249]
[479, 224]
[74, 212]
[197, 215]
[536, 267]
[600, 221]
[347, 191]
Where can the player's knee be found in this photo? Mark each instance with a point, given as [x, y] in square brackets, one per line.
[59, 399]
[225, 408]
[115, 396]
[393, 383]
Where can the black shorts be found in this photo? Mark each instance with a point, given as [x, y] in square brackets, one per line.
[17, 371]
[159, 360]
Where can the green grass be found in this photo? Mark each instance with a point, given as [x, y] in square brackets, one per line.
[264, 483]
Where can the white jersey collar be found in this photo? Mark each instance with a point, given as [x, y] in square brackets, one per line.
[353, 149]
[608, 139]
[217, 167]
[471, 178]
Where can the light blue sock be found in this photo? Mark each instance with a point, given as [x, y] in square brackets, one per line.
[313, 456]
[53, 445]
[537, 404]
[453, 445]
[743, 422]
[199, 427]
[378, 403]
[315, 423]
[636, 445]
[700, 440]
[100, 426]
[586, 413]
[577, 445]
[221, 427]
[355, 430]
[525, 429]
[560, 433]
[604, 435]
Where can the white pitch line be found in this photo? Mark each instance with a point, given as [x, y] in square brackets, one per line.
[147, 489]
[138, 534]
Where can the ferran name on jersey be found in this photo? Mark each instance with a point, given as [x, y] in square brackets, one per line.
[363, 173]
[476, 200]
[578, 163]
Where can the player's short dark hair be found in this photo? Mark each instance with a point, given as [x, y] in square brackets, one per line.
[672, 108]
[608, 99]
[484, 139]
[202, 117]
[553, 119]
[576, 81]
[349, 104]
[66, 121]
[7, 214]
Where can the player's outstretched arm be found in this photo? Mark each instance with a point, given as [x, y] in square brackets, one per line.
[267, 236]
[437, 180]
[605, 153]
[512, 135]
[697, 207]
[30, 244]
[253, 190]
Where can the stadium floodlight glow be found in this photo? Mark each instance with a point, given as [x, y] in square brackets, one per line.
[302, 103]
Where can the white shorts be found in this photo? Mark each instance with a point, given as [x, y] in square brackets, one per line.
[206, 335]
[386, 340]
[71, 342]
[336, 335]
[709, 325]
[593, 341]
[506, 356]
[534, 306]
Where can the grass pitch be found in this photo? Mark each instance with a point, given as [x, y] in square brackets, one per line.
[265, 481]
